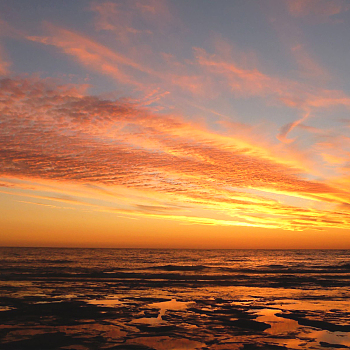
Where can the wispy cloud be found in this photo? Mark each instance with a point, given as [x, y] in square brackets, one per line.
[319, 9]
[247, 82]
[308, 65]
[123, 68]
[204, 75]
[132, 19]
[91, 54]
[304, 96]
[289, 127]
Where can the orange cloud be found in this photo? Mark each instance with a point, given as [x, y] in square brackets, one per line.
[91, 54]
[242, 81]
[123, 21]
[289, 127]
[4, 63]
[333, 159]
[56, 133]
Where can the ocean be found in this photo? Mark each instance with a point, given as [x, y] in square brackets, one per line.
[164, 299]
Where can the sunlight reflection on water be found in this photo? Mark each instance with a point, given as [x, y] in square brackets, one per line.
[299, 334]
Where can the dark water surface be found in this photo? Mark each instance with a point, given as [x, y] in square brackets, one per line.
[174, 299]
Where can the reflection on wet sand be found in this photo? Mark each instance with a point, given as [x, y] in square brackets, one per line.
[105, 302]
[300, 335]
[172, 324]
[173, 304]
[279, 326]
[166, 343]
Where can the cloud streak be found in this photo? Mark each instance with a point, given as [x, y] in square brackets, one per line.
[320, 9]
[247, 82]
[289, 127]
[91, 54]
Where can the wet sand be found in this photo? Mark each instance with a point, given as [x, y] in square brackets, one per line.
[172, 310]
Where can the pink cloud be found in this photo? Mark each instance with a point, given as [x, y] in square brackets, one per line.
[308, 66]
[113, 17]
[242, 81]
[134, 18]
[204, 76]
[4, 62]
[322, 9]
[253, 82]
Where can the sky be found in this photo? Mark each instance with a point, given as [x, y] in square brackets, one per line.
[175, 124]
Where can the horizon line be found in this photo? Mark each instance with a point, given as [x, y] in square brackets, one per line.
[154, 248]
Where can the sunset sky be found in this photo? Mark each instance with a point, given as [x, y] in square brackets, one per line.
[179, 124]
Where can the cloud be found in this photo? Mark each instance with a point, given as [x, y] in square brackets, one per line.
[59, 198]
[242, 81]
[3, 67]
[92, 54]
[333, 159]
[4, 62]
[299, 51]
[43, 205]
[127, 20]
[308, 66]
[54, 132]
[320, 9]
[289, 127]
[123, 68]
[132, 18]
[305, 97]
[247, 82]
[204, 75]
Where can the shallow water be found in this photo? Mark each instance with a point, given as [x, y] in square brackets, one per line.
[174, 299]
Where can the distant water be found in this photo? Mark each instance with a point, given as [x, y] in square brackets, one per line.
[174, 299]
